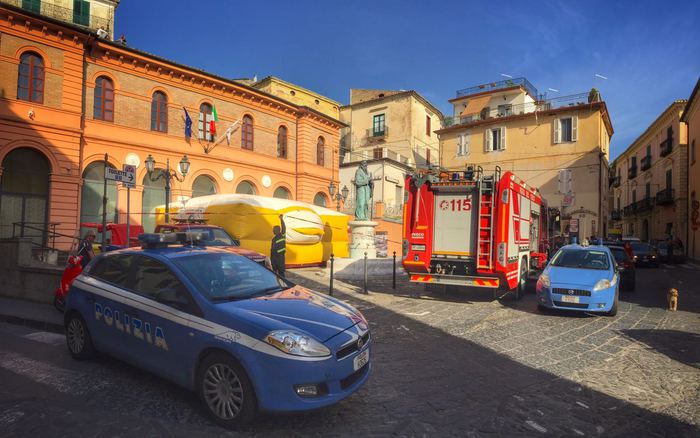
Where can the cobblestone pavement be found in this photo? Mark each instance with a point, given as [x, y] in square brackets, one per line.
[445, 364]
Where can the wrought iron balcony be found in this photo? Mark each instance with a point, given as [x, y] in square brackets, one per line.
[665, 197]
[615, 181]
[377, 134]
[632, 172]
[523, 108]
[508, 83]
[616, 215]
[666, 147]
[646, 162]
[629, 210]
[643, 205]
[61, 13]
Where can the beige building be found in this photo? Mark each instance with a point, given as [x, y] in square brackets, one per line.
[691, 116]
[649, 181]
[90, 14]
[560, 146]
[298, 95]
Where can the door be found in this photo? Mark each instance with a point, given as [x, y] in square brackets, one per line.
[161, 340]
[454, 230]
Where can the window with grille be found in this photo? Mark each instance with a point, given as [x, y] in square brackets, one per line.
[320, 151]
[159, 112]
[103, 106]
[247, 133]
[30, 80]
[282, 142]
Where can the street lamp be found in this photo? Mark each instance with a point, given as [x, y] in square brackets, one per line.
[156, 174]
[343, 195]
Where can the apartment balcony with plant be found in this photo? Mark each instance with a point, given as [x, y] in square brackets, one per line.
[665, 197]
[646, 163]
[666, 147]
[632, 172]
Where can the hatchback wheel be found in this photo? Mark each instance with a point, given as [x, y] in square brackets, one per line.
[613, 309]
[225, 390]
[78, 338]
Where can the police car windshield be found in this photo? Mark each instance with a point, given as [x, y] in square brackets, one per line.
[227, 277]
[581, 258]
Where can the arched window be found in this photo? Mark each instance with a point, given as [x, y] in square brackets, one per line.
[104, 99]
[24, 194]
[203, 185]
[92, 191]
[30, 83]
[282, 142]
[246, 188]
[247, 133]
[205, 118]
[282, 193]
[159, 112]
[320, 151]
[320, 199]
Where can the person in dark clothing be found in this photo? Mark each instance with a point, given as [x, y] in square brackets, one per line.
[85, 248]
[278, 248]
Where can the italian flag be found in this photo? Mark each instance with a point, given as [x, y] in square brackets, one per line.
[212, 122]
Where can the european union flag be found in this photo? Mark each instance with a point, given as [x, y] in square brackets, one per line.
[188, 124]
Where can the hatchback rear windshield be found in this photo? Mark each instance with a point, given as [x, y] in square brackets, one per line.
[582, 259]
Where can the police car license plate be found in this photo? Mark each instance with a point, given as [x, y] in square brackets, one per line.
[569, 299]
[360, 360]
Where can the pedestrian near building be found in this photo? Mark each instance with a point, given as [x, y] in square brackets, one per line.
[85, 249]
[628, 250]
[278, 248]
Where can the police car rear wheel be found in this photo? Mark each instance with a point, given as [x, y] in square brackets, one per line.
[226, 390]
[78, 338]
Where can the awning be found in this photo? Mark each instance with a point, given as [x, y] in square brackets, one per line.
[475, 105]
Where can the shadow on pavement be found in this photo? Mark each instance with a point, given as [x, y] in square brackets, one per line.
[680, 346]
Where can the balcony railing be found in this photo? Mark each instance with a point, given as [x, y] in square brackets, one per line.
[523, 108]
[646, 162]
[629, 210]
[615, 181]
[377, 134]
[666, 147]
[499, 85]
[665, 197]
[616, 215]
[632, 172]
[64, 14]
[643, 205]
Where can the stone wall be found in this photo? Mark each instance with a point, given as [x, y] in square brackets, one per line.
[25, 278]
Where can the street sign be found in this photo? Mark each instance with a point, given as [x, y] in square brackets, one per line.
[130, 180]
[118, 175]
[573, 226]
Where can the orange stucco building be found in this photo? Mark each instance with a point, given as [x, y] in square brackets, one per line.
[67, 97]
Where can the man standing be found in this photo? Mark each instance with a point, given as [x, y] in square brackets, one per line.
[278, 248]
[364, 186]
[85, 249]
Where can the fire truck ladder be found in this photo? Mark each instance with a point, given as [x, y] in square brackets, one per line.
[486, 214]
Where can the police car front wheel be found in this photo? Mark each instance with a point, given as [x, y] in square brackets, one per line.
[225, 390]
[78, 337]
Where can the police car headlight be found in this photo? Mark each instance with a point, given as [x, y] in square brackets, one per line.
[295, 343]
[605, 284]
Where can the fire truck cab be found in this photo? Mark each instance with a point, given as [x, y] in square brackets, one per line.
[473, 229]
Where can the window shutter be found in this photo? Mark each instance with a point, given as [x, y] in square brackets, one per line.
[557, 131]
[466, 144]
[201, 125]
[487, 140]
[503, 139]
[574, 127]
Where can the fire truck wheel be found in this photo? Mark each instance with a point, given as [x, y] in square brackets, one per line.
[522, 280]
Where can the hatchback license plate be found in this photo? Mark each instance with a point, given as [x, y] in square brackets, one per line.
[569, 299]
[361, 360]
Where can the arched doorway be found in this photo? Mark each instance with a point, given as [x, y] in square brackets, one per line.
[24, 195]
[645, 230]
[91, 195]
[320, 199]
[282, 193]
[246, 188]
[203, 185]
[153, 196]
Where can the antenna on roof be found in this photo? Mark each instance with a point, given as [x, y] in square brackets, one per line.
[599, 76]
[506, 76]
[552, 89]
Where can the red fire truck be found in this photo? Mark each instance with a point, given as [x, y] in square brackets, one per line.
[473, 229]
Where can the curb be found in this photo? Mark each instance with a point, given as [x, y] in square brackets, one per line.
[37, 324]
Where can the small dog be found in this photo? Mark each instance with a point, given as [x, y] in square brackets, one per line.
[672, 298]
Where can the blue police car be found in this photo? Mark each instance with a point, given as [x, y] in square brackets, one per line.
[582, 278]
[220, 324]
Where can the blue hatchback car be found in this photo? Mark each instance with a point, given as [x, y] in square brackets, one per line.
[220, 324]
[581, 278]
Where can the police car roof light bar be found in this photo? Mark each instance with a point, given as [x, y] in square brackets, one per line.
[156, 240]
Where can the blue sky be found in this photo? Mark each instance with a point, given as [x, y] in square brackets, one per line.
[648, 50]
